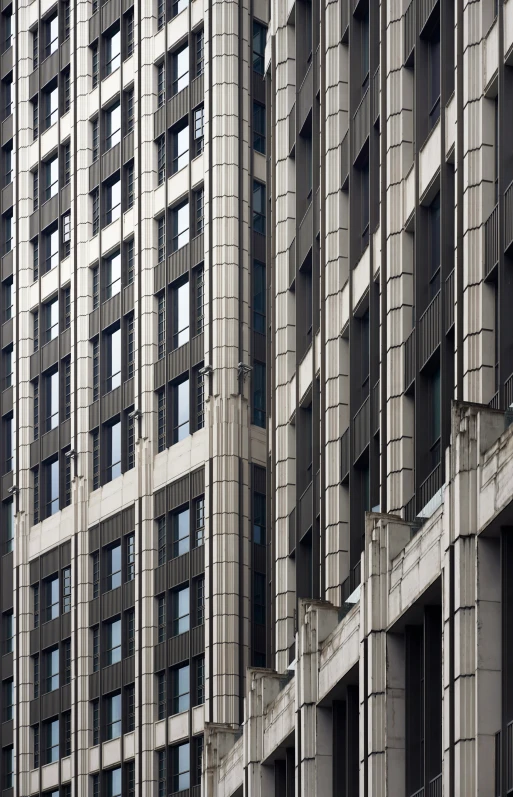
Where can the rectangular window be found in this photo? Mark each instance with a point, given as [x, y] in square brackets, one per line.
[7, 163]
[180, 143]
[180, 521]
[130, 557]
[114, 451]
[9, 530]
[96, 287]
[200, 400]
[112, 557]
[113, 716]
[51, 34]
[95, 779]
[200, 600]
[96, 139]
[51, 488]
[35, 119]
[161, 315]
[95, 64]
[35, 189]
[66, 234]
[96, 574]
[161, 432]
[67, 388]
[7, 632]
[51, 320]
[112, 126]
[67, 307]
[67, 480]
[200, 300]
[112, 641]
[36, 746]
[181, 619]
[130, 185]
[161, 159]
[51, 177]
[66, 721]
[259, 322]
[35, 259]
[161, 239]
[161, 84]
[161, 540]
[259, 127]
[8, 700]
[6, 301]
[180, 411]
[180, 315]
[130, 709]
[67, 661]
[66, 9]
[162, 773]
[161, 14]
[200, 53]
[179, 5]
[96, 649]
[51, 106]
[161, 696]
[198, 130]
[259, 36]
[113, 782]
[51, 741]
[96, 370]
[51, 672]
[259, 207]
[130, 632]
[130, 262]
[181, 766]
[434, 78]
[180, 61]
[36, 495]
[161, 619]
[259, 518]
[112, 273]
[259, 598]
[95, 708]
[51, 249]
[180, 678]
[96, 210]
[129, 33]
[67, 89]
[36, 675]
[8, 767]
[199, 529]
[199, 758]
[112, 52]
[113, 201]
[51, 401]
[7, 233]
[259, 394]
[130, 346]
[200, 680]
[200, 211]
[130, 111]
[180, 216]
[35, 48]
[113, 356]
[66, 590]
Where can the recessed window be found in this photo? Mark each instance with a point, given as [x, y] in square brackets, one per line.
[51, 665]
[198, 130]
[51, 741]
[51, 320]
[259, 207]
[51, 248]
[51, 178]
[95, 64]
[8, 700]
[7, 632]
[180, 315]
[113, 201]
[112, 126]
[96, 210]
[180, 61]
[181, 688]
[179, 5]
[161, 239]
[113, 716]
[199, 524]
[112, 641]
[259, 297]
[161, 84]
[180, 138]
[259, 515]
[113, 352]
[200, 600]
[113, 782]
[181, 618]
[161, 159]
[113, 567]
[112, 52]
[259, 394]
[180, 411]
[200, 53]
[8, 767]
[180, 226]
[51, 34]
[52, 487]
[112, 271]
[51, 107]
[434, 78]
[113, 435]
[181, 755]
[259, 36]
[180, 532]
[51, 401]
[259, 598]
[130, 557]
[259, 127]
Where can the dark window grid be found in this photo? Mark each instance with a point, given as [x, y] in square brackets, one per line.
[199, 532]
[96, 369]
[35, 259]
[161, 14]
[67, 390]
[8, 632]
[112, 52]
[130, 624]
[7, 166]
[67, 19]
[200, 300]
[200, 400]
[199, 211]
[259, 36]
[161, 85]
[162, 773]
[130, 347]
[8, 234]
[199, 758]
[259, 409]
[96, 459]
[8, 700]
[259, 309]
[130, 111]
[96, 139]
[259, 127]
[130, 262]
[130, 557]
[96, 287]
[181, 611]
[67, 90]
[67, 163]
[161, 239]
[36, 675]
[96, 785]
[35, 48]
[161, 696]
[96, 574]
[180, 70]
[181, 688]
[36, 409]
[66, 721]
[198, 130]
[161, 432]
[95, 65]
[259, 517]
[96, 721]
[161, 540]
[161, 159]
[36, 495]
[36, 605]
[67, 661]
[129, 34]
[36, 746]
[130, 172]
[35, 119]
[66, 234]
[200, 601]
[200, 53]
[200, 680]
[67, 308]
[161, 619]
[66, 588]
[96, 649]
[161, 314]
[96, 211]
[130, 708]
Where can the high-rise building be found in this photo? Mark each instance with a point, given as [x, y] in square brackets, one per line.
[133, 458]
[389, 254]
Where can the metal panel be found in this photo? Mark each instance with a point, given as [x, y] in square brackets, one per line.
[66, 625]
[197, 640]
[429, 330]
[34, 224]
[292, 131]
[65, 428]
[292, 532]
[449, 302]
[127, 5]
[94, 174]
[129, 670]
[34, 641]
[178, 107]
[111, 311]
[160, 656]
[259, 558]
[65, 553]
[292, 264]
[65, 53]
[129, 594]
[508, 217]
[259, 246]
[94, 611]
[111, 603]
[128, 299]
[94, 685]
[375, 409]
[7, 197]
[178, 649]
[50, 443]
[258, 87]
[361, 124]
[409, 360]
[6, 62]
[317, 70]
[197, 250]
[7, 482]
[305, 511]
[50, 704]
[197, 482]
[94, 323]
[197, 349]
[178, 263]
[7, 129]
[7, 737]
[7, 665]
[129, 519]
[66, 697]
[7, 400]
[178, 361]
[50, 633]
[111, 161]
[34, 711]
[159, 374]
[128, 393]
[159, 122]
[7, 265]
[259, 347]
[128, 147]
[197, 561]
[410, 32]
[35, 453]
[197, 91]
[111, 678]
[317, 212]
[49, 68]
[425, 7]
[66, 197]
[361, 429]
[50, 563]
[50, 212]
[7, 580]
[305, 98]
[34, 570]
[159, 277]
[160, 502]
[111, 404]
[111, 12]
[491, 241]
[50, 354]
[65, 343]
[111, 529]
[375, 96]
[178, 493]
[178, 570]
[305, 236]
[94, 415]
[33, 83]
[94, 538]
[160, 579]
[94, 27]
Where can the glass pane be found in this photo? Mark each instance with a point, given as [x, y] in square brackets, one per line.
[181, 330]
[183, 409]
[53, 488]
[116, 450]
[183, 766]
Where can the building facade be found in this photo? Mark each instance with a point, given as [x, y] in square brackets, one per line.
[133, 408]
[389, 248]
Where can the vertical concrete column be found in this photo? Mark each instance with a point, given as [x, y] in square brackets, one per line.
[219, 740]
[262, 688]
